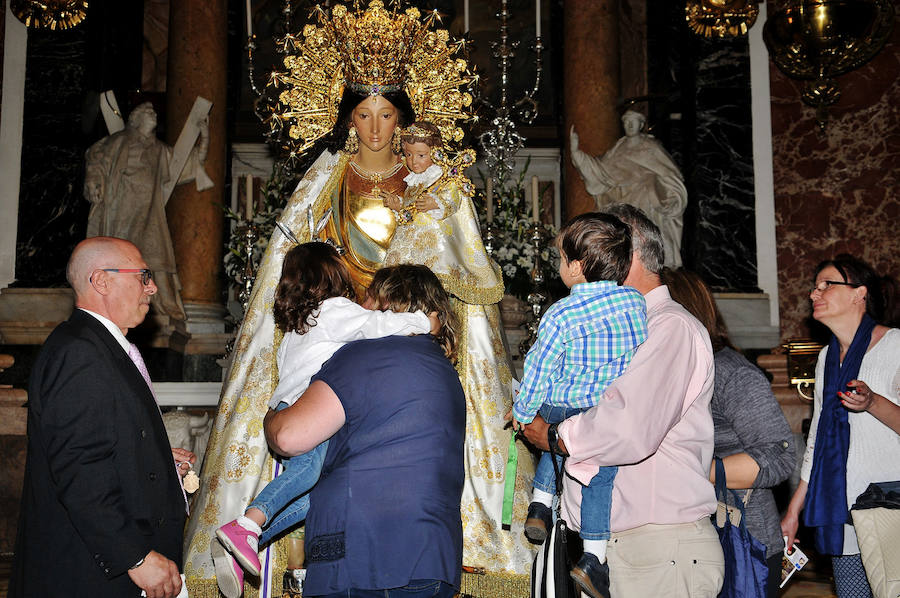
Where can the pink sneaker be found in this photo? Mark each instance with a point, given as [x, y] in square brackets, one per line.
[242, 544]
[229, 575]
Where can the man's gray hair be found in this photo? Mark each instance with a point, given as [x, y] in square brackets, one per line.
[646, 239]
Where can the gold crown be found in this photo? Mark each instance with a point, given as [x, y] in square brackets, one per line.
[375, 46]
[372, 52]
[416, 134]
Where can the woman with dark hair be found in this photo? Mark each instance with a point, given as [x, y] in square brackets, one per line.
[314, 310]
[752, 437]
[410, 288]
[384, 518]
[351, 81]
[853, 440]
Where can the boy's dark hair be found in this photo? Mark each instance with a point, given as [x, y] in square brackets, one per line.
[311, 273]
[409, 288]
[601, 242]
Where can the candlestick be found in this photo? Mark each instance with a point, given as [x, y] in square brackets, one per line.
[250, 20]
[536, 297]
[535, 201]
[537, 18]
[489, 200]
[248, 193]
[466, 16]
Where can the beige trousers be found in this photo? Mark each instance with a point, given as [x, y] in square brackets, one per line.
[683, 560]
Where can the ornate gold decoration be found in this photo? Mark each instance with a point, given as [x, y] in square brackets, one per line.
[454, 168]
[453, 175]
[373, 177]
[371, 50]
[351, 146]
[49, 14]
[416, 134]
[818, 40]
[395, 141]
[721, 18]
[801, 364]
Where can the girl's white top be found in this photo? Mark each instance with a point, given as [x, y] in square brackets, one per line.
[874, 454]
[338, 322]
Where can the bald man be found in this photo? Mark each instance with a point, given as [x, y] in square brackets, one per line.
[102, 506]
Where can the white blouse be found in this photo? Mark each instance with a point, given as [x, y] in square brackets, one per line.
[338, 322]
[874, 454]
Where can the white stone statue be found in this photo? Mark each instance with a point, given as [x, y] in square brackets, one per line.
[189, 432]
[637, 171]
[124, 177]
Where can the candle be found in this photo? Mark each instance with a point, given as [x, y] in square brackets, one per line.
[535, 201]
[250, 20]
[489, 202]
[249, 197]
[466, 15]
[537, 17]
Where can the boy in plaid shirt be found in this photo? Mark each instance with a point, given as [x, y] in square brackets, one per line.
[584, 342]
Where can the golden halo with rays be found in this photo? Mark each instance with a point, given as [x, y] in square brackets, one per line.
[372, 51]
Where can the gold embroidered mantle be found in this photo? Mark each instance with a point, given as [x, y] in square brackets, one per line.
[451, 246]
[238, 464]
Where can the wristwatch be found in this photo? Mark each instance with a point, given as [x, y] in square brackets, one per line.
[553, 440]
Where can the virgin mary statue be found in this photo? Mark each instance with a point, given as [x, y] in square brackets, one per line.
[351, 82]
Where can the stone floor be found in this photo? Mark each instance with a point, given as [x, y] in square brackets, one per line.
[802, 585]
[808, 586]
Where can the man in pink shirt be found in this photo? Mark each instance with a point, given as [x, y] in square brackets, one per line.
[654, 423]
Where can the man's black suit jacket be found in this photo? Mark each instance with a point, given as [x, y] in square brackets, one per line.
[100, 488]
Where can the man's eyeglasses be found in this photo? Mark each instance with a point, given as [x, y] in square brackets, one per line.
[146, 274]
[826, 284]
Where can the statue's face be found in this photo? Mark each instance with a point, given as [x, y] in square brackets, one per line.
[375, 119]
[632, 125]
[145, 119]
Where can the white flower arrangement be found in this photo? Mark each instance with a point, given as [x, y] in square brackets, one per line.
[514, 251]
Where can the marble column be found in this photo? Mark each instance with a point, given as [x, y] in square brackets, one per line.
[591, 87]
[196, 67]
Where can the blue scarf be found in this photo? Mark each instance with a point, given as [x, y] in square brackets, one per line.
[826, 496]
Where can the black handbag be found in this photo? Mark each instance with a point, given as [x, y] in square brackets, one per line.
[561, 550]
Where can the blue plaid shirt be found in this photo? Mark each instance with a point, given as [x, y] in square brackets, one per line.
[584, 342]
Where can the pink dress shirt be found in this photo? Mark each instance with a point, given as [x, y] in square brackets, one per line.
[654, 423]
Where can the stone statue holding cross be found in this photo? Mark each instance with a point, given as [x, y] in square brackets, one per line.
[129, 176]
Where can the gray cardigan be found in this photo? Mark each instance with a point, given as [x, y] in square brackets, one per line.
[748, 419]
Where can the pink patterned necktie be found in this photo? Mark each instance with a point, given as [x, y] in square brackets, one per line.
[135, 356]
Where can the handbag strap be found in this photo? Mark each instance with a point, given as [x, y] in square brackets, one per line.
[722, 491]
[557, 469]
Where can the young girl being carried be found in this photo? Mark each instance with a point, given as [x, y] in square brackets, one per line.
[314, 309]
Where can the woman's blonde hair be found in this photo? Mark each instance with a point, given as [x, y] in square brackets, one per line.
[412, 288]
